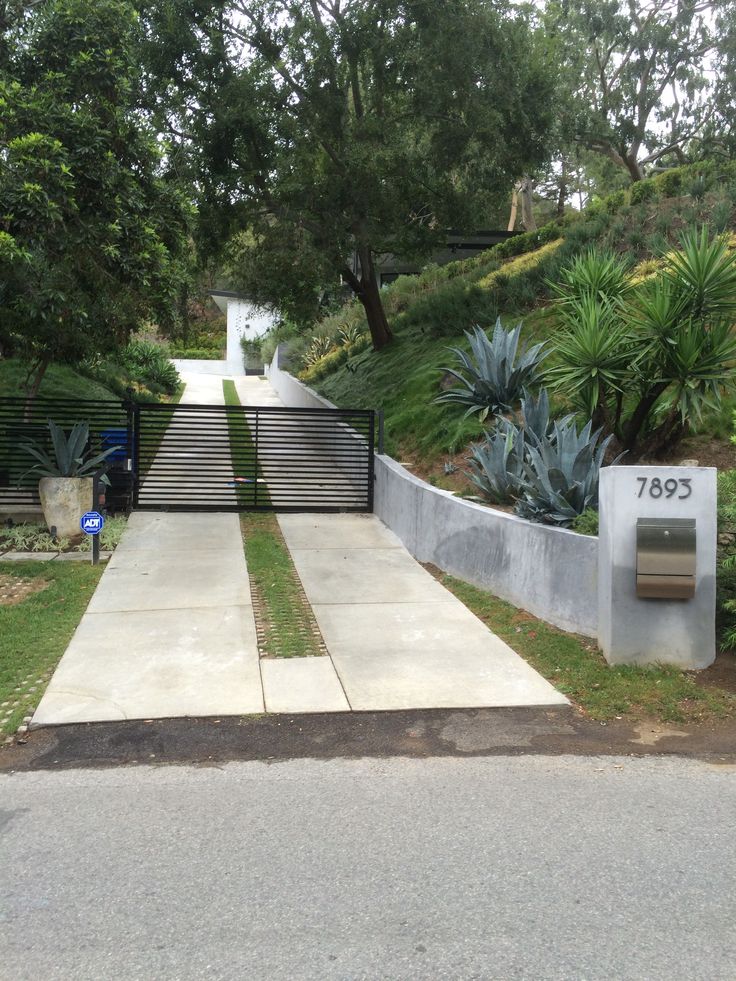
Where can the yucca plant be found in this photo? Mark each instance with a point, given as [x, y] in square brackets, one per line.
[595, 354]
[495, 373]
[643, 362]
[595, 275]
[70, 456]
[561, 474]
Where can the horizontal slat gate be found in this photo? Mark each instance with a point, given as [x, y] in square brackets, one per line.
[244, 458]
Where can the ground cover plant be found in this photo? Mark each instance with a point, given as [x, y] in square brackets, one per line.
[36, 625]
[577, 669]
[28, 536]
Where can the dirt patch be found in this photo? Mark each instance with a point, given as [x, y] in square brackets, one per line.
[709, 452]
[721, 674]
[15, 589]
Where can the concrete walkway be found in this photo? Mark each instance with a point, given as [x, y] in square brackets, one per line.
[170, 630]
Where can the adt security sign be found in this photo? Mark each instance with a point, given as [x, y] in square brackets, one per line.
[92, 522]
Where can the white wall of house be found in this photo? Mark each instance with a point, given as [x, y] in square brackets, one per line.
[244, 320]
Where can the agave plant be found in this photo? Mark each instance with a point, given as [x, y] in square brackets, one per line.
[350, 333]
[561, 473]
[319, 347]
[497, 372]
[70, 458]
[497, 464]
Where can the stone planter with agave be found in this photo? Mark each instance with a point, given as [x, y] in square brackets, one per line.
[65, 487]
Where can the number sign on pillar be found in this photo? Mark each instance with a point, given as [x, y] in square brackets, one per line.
[649, 608]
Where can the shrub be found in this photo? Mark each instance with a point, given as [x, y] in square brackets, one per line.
[497, 373]
[196, 353]
[642, 191]
[669, 183]
[149, 363]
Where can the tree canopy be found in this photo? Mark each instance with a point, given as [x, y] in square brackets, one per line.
[338, 130]
[93, 238]
[641, 75]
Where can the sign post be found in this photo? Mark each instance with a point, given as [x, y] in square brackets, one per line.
[92, 523]
[657, 565]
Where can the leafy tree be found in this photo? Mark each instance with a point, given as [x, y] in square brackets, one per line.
[639, 75]
[93, 239]
[333, 128]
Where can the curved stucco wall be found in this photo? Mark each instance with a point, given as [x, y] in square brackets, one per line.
[551, 572]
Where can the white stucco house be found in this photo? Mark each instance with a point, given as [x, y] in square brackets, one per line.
[244, 319]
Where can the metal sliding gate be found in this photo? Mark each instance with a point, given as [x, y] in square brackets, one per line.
[243, 458]
[206, 457]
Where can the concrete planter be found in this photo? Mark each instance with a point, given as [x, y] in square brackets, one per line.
[64, 500]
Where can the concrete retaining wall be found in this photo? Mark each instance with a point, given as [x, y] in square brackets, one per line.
[551, 572]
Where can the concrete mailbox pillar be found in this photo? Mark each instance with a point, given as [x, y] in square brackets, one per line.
[657, 565]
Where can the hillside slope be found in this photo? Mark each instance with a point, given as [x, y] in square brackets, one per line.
[430, 312]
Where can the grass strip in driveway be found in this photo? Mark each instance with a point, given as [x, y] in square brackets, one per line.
[35, 632]
[576, 667]
[285, 622]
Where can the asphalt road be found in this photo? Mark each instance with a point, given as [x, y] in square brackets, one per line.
[503, 868]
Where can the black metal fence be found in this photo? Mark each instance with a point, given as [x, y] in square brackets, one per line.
[110, 425]
[203, 457]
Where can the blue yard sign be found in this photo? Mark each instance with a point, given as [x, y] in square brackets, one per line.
[92, 522]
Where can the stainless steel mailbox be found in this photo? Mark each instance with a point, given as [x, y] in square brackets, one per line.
[665, 558]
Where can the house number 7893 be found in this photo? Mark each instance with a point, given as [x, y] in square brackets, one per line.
[665, 488]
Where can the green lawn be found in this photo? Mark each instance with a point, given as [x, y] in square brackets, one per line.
[34, 633]
[577, 668]
[60, 381]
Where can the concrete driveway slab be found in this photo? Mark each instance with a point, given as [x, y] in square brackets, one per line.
[154, 531]
[425, 655]
[366, 575]
[176, 580]
[343, 531]
[302, 684]
[156, 664]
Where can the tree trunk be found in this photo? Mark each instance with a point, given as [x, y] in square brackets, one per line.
[514, 209]
[367, 290]
[527, 211]
[632, 165]
[38, 370]
[562, 191]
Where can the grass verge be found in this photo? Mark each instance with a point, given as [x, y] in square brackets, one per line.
[284, 619]
[577, 668]
[36, 631]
